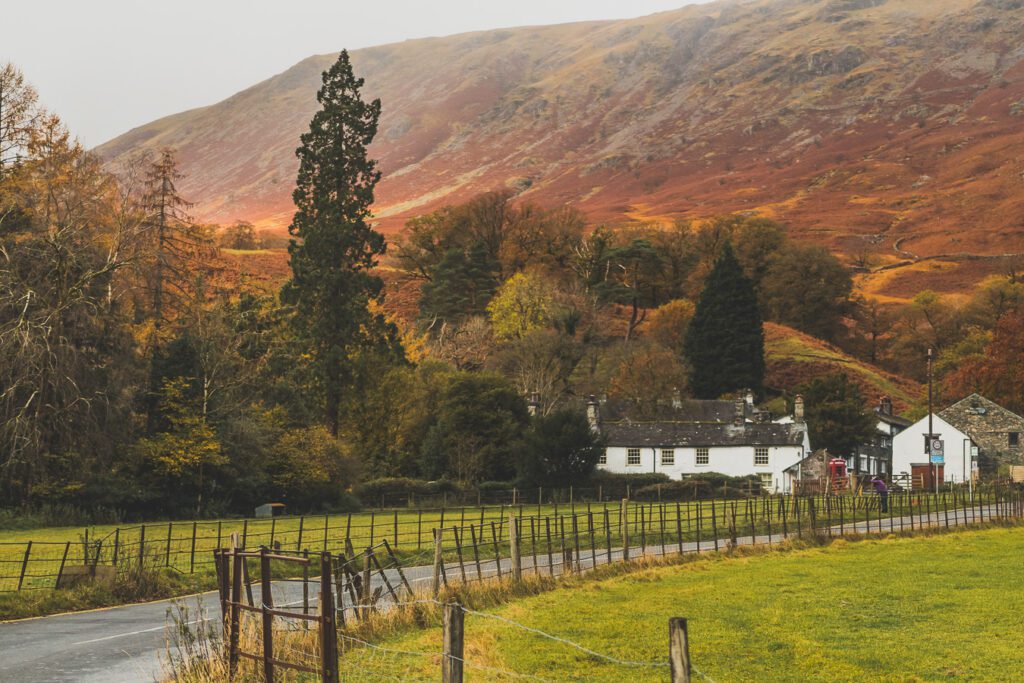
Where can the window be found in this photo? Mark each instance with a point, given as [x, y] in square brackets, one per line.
[703, 456]
[760, 456]
[1014, 438]
[668, 456]
[603, 458]
[766, 480]
[633, 456]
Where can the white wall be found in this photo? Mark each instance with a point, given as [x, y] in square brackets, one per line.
[908, 449]
[735, 461]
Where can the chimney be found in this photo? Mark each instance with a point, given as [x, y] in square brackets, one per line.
[885, 406]
[739, 417]
[750, 398]
[798, 409]
[533, 406]
[594, 413]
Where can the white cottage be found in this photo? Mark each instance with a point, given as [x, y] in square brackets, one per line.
[737, 448]
[910, 453]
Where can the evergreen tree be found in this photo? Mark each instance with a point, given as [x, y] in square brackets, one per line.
[836, 416]
[725, 342]
[333, 246]
[461, 285]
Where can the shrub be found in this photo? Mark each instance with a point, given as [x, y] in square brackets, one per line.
[704, 487]
[398, 490]
[617, 485]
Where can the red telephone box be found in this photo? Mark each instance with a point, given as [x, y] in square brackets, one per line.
[837, 474]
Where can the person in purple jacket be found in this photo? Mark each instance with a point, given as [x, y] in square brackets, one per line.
[882, 491]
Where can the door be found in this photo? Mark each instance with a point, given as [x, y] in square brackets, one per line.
[923, 476]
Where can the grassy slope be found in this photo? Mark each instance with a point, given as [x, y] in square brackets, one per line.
[879, 610]
[793, 357]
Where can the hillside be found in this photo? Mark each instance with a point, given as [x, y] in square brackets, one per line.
[792, 358]
[863, 123]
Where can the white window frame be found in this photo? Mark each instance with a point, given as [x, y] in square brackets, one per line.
[761, 453]
[671, 459]
[603, 458]
[702, 453]
[630, 453]
[767, 480]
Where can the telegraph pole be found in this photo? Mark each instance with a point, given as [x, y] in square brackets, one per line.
[931, 435]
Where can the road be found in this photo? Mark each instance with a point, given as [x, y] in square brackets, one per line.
[127, 644]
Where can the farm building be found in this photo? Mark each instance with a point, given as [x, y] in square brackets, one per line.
[975, 432]
[744, 443]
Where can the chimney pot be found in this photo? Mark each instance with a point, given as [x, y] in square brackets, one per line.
[594, 413]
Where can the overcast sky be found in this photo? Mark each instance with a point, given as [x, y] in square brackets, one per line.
[106, 66]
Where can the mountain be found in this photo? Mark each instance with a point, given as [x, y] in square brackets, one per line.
[887, 126]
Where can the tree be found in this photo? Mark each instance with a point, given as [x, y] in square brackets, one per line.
[333, 246]
[479, 421]
[521, 305]
[188, 446]
[173, 245]
[19, 114]
[461, 285]
[836, 415]
[559, 449]
[241, 235]
[67, 367]
[997, 373]
[647, 378]
[807, 288]
[725, 343]
[669, 323]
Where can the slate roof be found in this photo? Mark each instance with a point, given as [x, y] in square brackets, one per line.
[674, 434]
[893, 419]
[983, 411]
[694, 410]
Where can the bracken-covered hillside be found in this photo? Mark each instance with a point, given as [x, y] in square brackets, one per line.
[896, 126]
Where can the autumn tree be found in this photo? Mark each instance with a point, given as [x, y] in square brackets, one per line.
[333, 246]
[522, 304]
[241, 235]
[997, 372]
[66, 358]
[725, 343]
[19, 115]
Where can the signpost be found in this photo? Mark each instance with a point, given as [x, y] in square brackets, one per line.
[936, 455]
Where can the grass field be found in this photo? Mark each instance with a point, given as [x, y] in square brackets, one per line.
[942, 607]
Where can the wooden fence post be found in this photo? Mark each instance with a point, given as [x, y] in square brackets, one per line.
[302, 523]
[513, 541]
[170, 533]
[236, 601]
[192, 554]
[678, 650]
[142, 545]
[328, 633]
[117, 545]
[267, 603]
[367, 597]
[438, 560]
[452, 647]
[625, 529]
[24, 564]
[63, 561]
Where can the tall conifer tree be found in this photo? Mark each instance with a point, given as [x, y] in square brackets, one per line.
[333, 246]
[725, 342]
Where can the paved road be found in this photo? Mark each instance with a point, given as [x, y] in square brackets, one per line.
[127, 644]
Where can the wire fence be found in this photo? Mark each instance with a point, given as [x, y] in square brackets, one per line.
[477, 538]
[358, 584]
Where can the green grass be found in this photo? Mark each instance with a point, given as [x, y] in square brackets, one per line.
[941, 607]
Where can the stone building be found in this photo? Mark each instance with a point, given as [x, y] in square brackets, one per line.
[996, 430]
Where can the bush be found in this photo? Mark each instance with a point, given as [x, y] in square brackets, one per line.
[487, 486]
[399, 490]
[704, 487]
[617, 485]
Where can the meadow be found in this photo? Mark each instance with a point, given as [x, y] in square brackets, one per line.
[937, 607]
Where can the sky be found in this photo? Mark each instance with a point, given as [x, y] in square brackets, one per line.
[106, 66]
